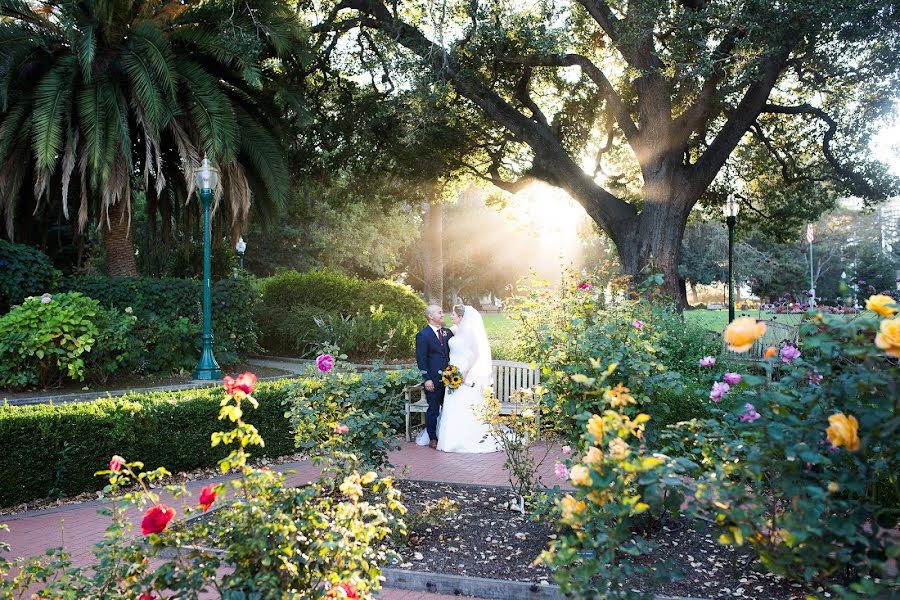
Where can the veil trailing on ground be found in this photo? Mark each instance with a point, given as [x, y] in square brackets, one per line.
[472, 336]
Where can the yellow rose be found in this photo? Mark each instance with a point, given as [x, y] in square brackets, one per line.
[593, 456]
[888, 338]
[580, 475]
[742, 332]
[571, 508]
[883, 305]
[528, 413]
[842, 431]
[368, 478]
[618, 449]
[595, 427]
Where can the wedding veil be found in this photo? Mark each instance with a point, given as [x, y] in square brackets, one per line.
[473, 337]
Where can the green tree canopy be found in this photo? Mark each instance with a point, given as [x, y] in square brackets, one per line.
[636, 108]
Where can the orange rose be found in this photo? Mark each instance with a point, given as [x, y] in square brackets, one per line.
[595, 427]
[742, 332]
[883, 305]
[770, 352]
[842, 431]
[888, 338]
[571, 508]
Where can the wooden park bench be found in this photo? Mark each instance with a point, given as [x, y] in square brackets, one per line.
[776, 334]
[507, 377]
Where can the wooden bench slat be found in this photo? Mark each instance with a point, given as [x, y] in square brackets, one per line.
[508, 377]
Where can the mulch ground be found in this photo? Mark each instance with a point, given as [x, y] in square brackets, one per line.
[467, 530]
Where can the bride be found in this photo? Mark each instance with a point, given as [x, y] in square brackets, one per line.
[461, 428]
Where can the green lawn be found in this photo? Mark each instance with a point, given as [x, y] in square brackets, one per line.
[716, 320]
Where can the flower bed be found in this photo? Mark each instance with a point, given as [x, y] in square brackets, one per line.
[466, 530]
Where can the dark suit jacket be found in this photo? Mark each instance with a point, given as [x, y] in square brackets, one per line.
[431, 355]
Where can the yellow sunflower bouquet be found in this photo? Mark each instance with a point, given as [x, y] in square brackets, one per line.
[451, 377]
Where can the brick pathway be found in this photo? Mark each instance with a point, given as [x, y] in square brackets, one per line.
[80, 527]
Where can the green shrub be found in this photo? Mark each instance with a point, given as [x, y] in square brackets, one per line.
[300, 312]
[45, 339]
[369, 404]
[24, 271]
[161, 304]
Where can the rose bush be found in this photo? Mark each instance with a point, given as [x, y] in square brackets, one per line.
[802, 465]
[324, 540]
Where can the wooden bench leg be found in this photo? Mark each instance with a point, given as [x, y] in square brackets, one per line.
[408, 436]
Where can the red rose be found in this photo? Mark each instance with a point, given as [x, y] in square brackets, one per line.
[207, 497]
[116, 463]
[156, 519]
[344, 590]
[246, 382]
[146, 596]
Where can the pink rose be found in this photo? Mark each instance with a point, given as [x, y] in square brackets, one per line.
[561, 471]
[246, 383]
[325, 362]
[566, 449]
[708, 362]
[749, 415]
[637, 324]
[789, 353]
[116, 463]
[719, 389]
[341, 429]
[587, 285]
[731, 378]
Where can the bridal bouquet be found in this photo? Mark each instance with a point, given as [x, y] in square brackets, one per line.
[451, 377]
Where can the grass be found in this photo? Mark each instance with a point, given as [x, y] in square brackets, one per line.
[501, 332]
[716, 320]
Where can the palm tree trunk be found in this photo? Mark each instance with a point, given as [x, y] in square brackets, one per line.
[119, 245]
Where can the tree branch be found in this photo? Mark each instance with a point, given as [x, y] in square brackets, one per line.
[857, 183]
[525, 99]
[621, 112]
[740, 120]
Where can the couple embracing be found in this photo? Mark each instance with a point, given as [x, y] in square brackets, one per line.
[454, 421]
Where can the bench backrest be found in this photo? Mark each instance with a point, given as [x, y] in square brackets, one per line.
[775, 334]
[509, 376]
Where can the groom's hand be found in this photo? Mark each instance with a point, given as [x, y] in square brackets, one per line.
[429, 386]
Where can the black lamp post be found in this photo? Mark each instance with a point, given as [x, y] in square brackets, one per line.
[241, 247]
[731, 210]
[207, 368]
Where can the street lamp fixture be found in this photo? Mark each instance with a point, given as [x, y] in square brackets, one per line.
[205, 178]
[731, 210]
[241, 247]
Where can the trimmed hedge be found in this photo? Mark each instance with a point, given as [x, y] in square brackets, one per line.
[292, 302]
[54, 450]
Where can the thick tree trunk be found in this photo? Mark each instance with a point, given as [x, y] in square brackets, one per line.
[434, 251]
[651, 243]
[694, 293]
[119, 244]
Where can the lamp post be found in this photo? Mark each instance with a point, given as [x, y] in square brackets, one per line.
[205, 178]
[731, 210]
[241, 247]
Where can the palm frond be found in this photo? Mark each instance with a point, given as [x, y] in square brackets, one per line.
[86, 48]
[264, 152]
[211, 112]
[50, 98]
[68, 166]
[92, 118]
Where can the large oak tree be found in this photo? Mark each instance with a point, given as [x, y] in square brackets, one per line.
[636, 107]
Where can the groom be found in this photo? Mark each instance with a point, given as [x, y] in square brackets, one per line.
[433, 356]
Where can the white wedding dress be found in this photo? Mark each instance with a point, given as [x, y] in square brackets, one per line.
[461, 427]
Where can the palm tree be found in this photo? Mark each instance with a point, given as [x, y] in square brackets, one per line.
[100, 96]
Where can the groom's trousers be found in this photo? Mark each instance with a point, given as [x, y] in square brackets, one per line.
[435, 403]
